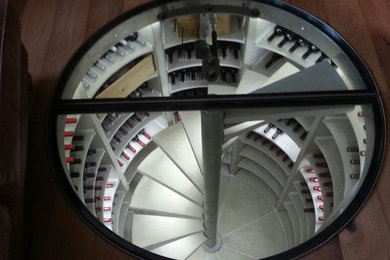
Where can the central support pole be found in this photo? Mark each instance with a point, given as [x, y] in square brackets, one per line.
[212, 140]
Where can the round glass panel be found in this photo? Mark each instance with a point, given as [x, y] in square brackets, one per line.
[241, 129]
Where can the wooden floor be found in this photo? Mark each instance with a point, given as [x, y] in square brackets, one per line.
[52, 30]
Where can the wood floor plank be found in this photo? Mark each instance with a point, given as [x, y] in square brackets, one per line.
[330, 251]
[371, 238]
[101, 13]
[316, 7]
[130, 4]
[353, 27]
[378, 20]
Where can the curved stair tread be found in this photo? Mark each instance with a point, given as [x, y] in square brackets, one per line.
[198, 254]
[258, 184]
[174, 142]
[192, 124]
[270, 165]
[261, 238]
[181, 248]
[294, 221]
[294, 196]
[242, 128]
[235, 213]
[154, 197]
[261, 172]
[227, 254]
[150, 230]
[311, 225]
[160, 168]
[288, 229]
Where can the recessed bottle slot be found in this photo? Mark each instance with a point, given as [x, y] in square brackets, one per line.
[354, 162]
[317, 188]
[285, 38]
[354, 176]
[324, 174]
[318, 156]
[195, 75]
[353, 149]
[190, 51]
[328, 184]
[322, 165]
[68, 133]
[70, 120]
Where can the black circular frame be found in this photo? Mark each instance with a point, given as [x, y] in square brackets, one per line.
[370, 96]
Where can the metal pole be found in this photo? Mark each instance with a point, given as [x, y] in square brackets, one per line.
[212, 140]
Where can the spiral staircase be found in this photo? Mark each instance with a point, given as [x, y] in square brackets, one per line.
[167, 203]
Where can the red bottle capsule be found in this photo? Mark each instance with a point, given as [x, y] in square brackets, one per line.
[109, 185]
[68, 133]
[314, 179]
[145, 134]
[321, 207]
[124, 155]
[310, 171]
[131, 148]
[120, 163]
[69, 159]
[106, 198]
[321, 218]
[136, 139]
[317, 188]
[70, 120]
[69, 147]
[320, 197]
[178, 118]
[106, 208]
[107, 220]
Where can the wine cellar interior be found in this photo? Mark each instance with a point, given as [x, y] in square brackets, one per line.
[280, 175]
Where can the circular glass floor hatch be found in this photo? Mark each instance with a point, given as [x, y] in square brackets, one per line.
[216, 129]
